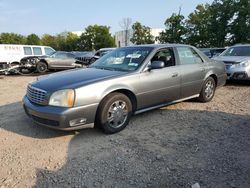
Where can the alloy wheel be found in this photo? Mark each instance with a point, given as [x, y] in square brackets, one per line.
[117, 114]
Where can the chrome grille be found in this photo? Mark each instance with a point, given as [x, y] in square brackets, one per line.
[36, 95]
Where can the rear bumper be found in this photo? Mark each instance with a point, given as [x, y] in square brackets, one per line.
[61, 118]
[222, 80]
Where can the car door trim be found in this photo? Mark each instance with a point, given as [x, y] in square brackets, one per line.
[165, 104]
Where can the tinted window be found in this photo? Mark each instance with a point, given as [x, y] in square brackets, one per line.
[37, 51]
[188, 55]
[166, 56]
[48, 51]
[237, 51]
[27, 51]
[97, 54]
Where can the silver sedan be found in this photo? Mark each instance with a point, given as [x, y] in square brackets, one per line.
[127, 81]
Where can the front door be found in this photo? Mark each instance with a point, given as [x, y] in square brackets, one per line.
[159, 86]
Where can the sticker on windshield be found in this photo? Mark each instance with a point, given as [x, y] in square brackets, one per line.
[133, 56]
[133, 64]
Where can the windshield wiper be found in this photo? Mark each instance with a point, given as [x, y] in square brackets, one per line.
[110, 68]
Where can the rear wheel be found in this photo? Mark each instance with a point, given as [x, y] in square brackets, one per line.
[114, 113]
[208, 90]
[41, 67]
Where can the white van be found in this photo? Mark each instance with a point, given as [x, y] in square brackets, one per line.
[11, 53]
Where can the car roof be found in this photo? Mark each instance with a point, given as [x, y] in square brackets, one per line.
[65, 52]
[101, 49]
[238, 45]
[158, 45]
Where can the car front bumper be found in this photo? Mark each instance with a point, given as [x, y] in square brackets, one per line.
[61, 118]
[241, 73]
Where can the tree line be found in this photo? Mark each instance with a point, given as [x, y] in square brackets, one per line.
[94, 37]
[221, 23]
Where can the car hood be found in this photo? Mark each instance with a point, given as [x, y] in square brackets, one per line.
[31, 57]
[73, 78]
[233, 59]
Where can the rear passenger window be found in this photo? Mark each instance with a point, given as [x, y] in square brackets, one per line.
[37, 51]
[27, 51]
[188, 55]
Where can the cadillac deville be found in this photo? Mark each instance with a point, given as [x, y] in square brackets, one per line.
[126, 81]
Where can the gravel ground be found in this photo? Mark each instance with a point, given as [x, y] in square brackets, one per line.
[176, 146]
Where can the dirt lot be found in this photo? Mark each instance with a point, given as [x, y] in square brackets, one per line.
[176, 146]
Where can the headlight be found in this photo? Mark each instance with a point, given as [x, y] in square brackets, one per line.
[245, 63]
[242, 64]
[62, 98]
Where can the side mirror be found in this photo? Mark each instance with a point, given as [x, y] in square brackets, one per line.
[156, 65]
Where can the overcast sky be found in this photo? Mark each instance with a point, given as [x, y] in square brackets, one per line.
[56, 16]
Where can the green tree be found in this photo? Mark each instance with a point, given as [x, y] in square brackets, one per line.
[71, 42]
[221, 14]
[175, 30]
[33, 39]
[49, 40]
[198, 33]
[12, 38]
[210, 25]
[96, 37]
[141, 34]
[240, 28]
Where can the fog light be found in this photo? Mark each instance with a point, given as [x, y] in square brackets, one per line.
[77, 122]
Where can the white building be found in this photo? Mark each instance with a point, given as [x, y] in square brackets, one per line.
[78, 33]
[120, 36]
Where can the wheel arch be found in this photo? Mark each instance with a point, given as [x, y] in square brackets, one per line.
[44, 61]
[130, 94]
[213, 75]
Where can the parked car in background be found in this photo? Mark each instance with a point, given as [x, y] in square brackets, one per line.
[127, 81]
[91, 57]
[212, 52]
[56, 60]
[11, 55]
[237, 61]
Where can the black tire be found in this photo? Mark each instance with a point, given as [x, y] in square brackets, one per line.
[208, 90]
[112, 115]
[41, 67]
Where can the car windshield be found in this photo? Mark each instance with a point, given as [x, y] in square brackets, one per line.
[237, 51]
[123, 59]
[52, 53]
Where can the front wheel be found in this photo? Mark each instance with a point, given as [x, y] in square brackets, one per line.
[114, 113]
[208, 90]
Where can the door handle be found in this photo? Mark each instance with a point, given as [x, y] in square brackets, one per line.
[175, 74]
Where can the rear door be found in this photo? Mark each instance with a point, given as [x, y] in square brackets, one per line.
[61, 60]
[192, 70]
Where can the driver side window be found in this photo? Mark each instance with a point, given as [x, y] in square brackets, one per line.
[166, 56]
